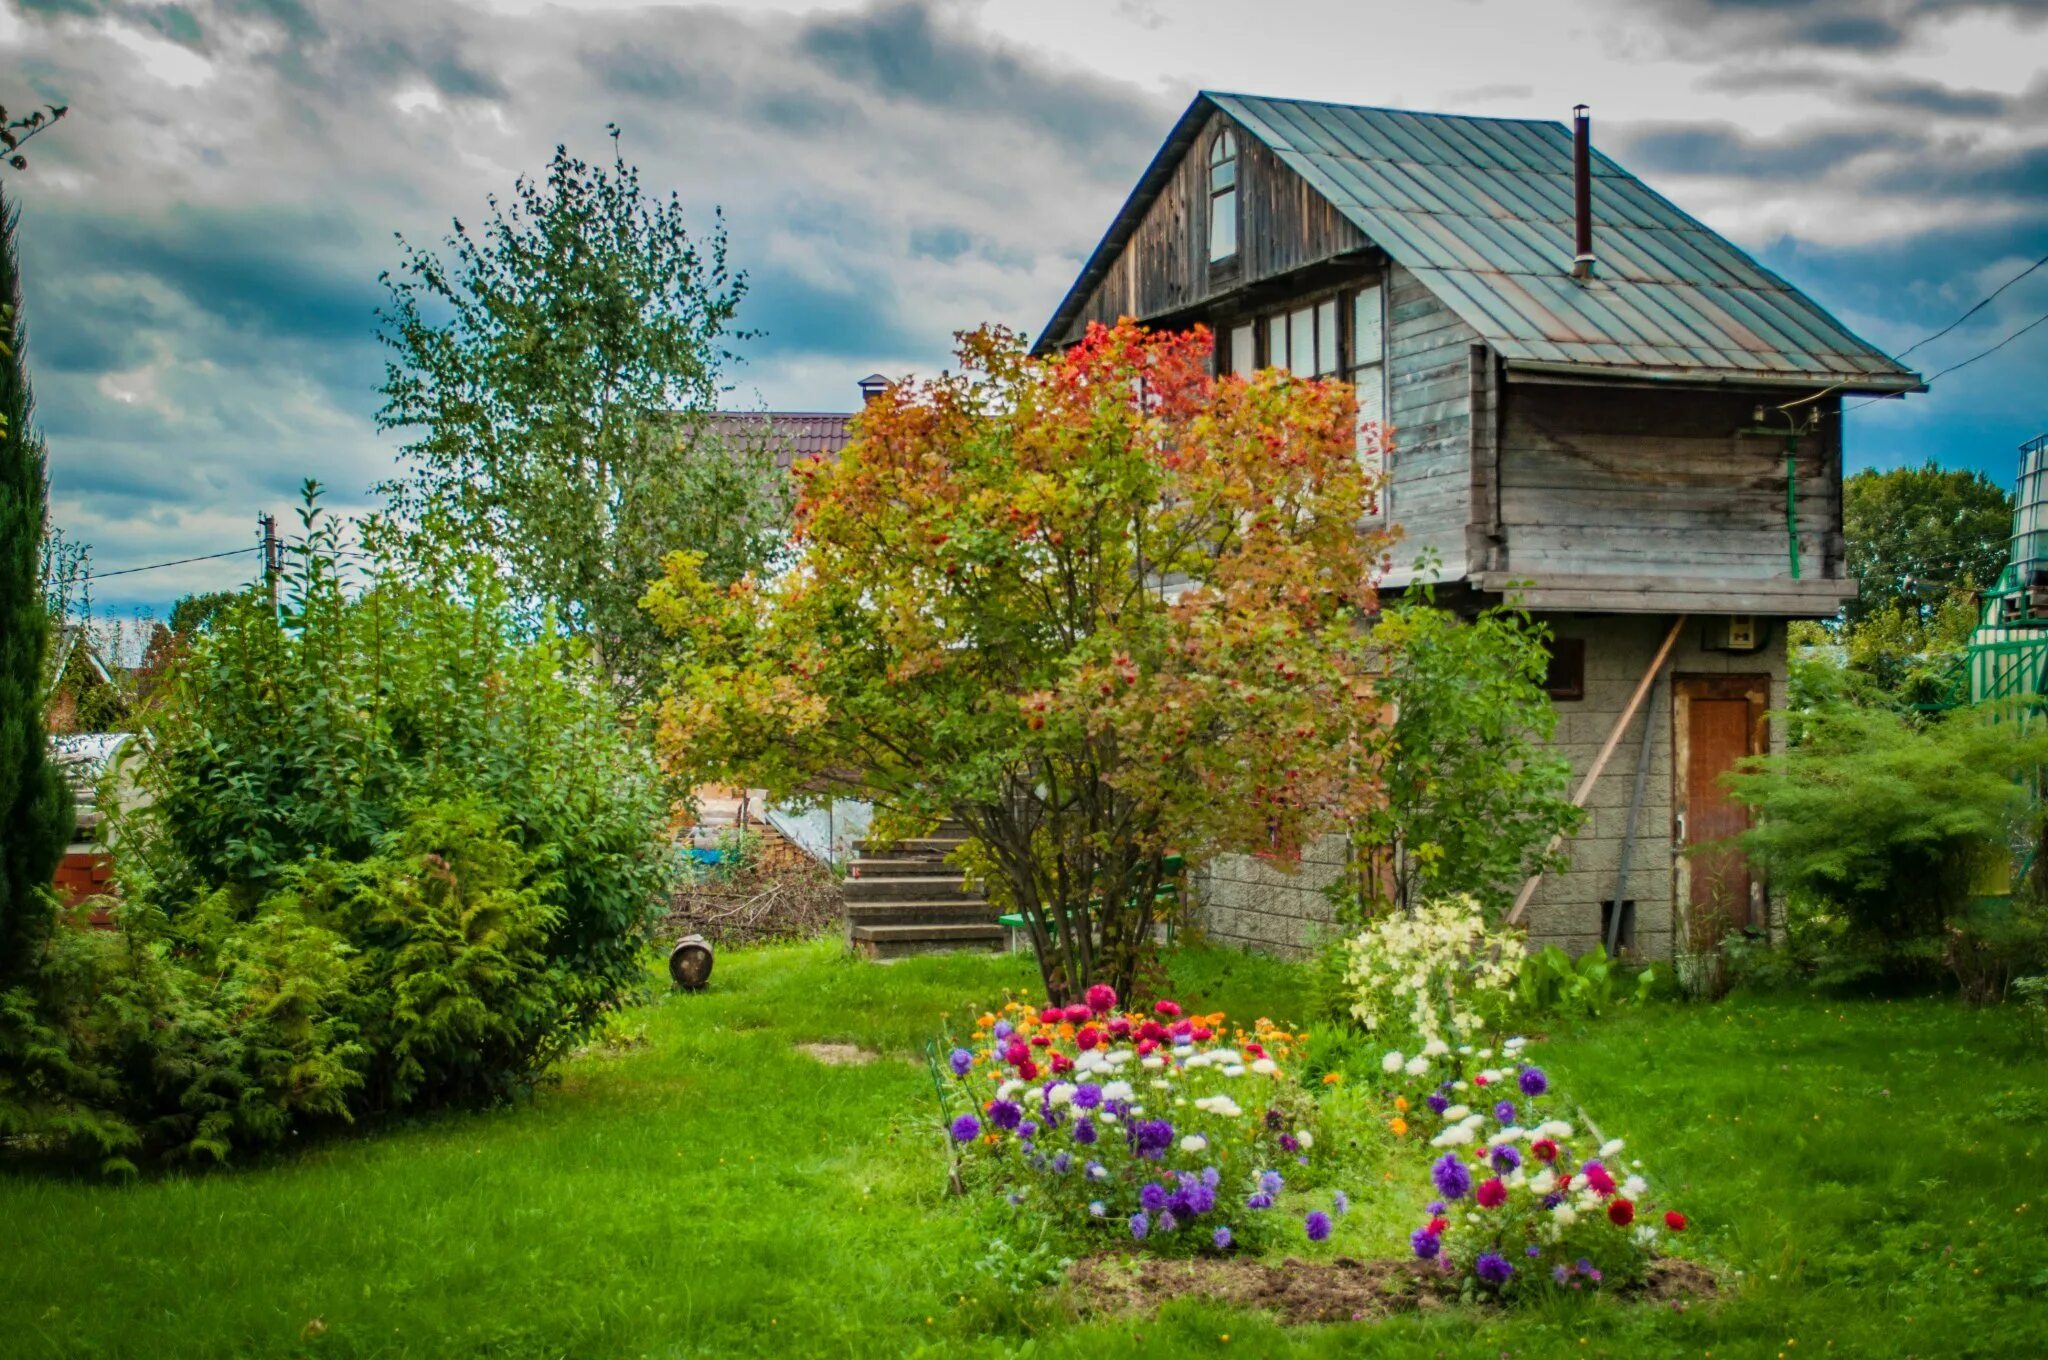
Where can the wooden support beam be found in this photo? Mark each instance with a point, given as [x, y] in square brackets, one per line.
[1621, 725]
[1635, 811]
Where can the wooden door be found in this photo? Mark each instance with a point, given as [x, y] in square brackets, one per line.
[1716, 721]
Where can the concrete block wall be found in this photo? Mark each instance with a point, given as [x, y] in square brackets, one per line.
[1249, 903]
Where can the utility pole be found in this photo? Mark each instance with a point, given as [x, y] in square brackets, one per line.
[273, 556]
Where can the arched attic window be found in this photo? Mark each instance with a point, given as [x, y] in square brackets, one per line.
[1223, 196]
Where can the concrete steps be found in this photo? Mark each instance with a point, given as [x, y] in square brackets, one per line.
[904, 899]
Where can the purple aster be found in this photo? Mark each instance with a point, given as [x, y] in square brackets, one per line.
[1211, 1177]
[1316, 1225]
[1179, 1205]
[1150, 1138]
[1152, 1196]
[1027, 1129]
[1425, 1244]
[1453, 1181]
[1289, 1143]
[1221, 1237]
[1505, 1112]
[1506, 1159]
[1004, 1029]
[1551, 1201]
[1437, 1208]
[961, 1060]
[1006, 1114]
[1167, 1222]
[1342, 1202]
[1140, 1225]
[1087, 1096]
[1492, 1267]
[1437, 1103]
[1261, 1200]
[1097, 1209]
[1084, 1131]
[1559, 1273]
[1095, 1171]
[1533, 1082]
[966, 1129]
[1062, 1164]
[1584, 1265]
[1271, 1182]
[1532, 1251]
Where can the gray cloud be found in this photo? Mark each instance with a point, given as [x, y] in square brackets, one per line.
[1721, 149]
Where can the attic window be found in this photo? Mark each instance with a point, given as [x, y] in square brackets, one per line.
[1223, 196]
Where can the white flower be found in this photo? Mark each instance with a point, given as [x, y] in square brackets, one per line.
[1234, 1070]
[1555, 1128]
[1265, 1067]
[1458, 1086]
[1097, 1171]
[1060, 1092]
[1465, 1050]
[1194, 1142]
[1097, 1209]
[1564, 1215]
[1646, 1235]
[1435, 1048]
[1543, 1182]
[1153, 1061]
[1106, 1117]
[1611, 1148]
[1225, 1055]
[1484, 1054]
[1456, 1112]
[1008, 1089]
[1161, 1084]
[1417, 1066]
[1457, 1135]
[1116, 1090]
[1515, 1044]
[1222, 1105]
[1506, 1136]
[1577, 1182]
[1633, 1187]
[1305, 1138]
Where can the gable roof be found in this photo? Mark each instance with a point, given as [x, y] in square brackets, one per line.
[790, 436]
[1480, 211]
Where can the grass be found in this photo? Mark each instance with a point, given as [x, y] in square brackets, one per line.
[1871, 1168]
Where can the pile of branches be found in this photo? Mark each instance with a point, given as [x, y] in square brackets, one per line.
[786, 898]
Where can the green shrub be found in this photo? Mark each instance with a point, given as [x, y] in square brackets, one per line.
[1877, 823]
[1552, 982]
[397, 854]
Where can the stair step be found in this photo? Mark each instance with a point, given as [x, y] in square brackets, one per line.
[928, 889]
[919, 847]
[884, 942]
[919, 913]
[885, 867]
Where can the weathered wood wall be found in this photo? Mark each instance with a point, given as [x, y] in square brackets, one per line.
[1429, 406]
[1657, 482]
[1164, 268]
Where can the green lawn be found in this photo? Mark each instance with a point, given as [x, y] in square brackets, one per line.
[1871, 1168]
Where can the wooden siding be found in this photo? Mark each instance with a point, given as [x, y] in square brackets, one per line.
[1164, 270]
[1647, 483]
[1429, 406]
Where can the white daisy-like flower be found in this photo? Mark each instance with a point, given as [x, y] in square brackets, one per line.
[1305, 1138]
[1116, 1090]
[1222, 1105]
[1507, 1135]
[1417, 1066]
[1646, 1235]
[1153, 1061]
[1611, 1148]
[1393, 1062]
[1457, 1135]
[1225, 1056]
[1455, 1113]
[1008, 1089]
[1577, 1182]
[1265, 1067]
[1234, 1070]
[1555, 1128]
[1564, 1215]
[1465, 1050]
[1435, 1048]
[1059, 1093]
[1633, 1187]
[1161, 1084]
[1543, 1182]
[1106, 1117]
[1514, 1045]
[1459, 1086]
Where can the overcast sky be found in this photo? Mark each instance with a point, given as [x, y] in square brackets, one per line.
[202, 237]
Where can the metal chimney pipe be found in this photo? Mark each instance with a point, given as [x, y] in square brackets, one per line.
[1582, 190]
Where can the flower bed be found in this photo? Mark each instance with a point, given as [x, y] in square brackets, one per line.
[1182, 1132]
[1525, 1194]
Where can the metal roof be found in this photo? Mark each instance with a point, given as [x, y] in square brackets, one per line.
[1480, 211]
[790, 436]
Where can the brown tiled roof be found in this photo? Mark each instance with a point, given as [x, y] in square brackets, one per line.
[789, 435]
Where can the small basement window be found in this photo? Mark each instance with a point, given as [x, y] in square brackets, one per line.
[1626, 938]
[1223, 196]
[1566, 676]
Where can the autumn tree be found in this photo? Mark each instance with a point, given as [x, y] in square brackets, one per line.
[1100, 607]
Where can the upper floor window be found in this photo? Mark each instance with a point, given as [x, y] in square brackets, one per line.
[1223, 196]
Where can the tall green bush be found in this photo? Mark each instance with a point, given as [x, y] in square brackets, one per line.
[1883, 820]
[396, 853]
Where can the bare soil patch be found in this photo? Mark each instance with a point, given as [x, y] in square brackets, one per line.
[1343, 1290]
[839, 1055]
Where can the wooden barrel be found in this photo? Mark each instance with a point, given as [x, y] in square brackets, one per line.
[689, 963]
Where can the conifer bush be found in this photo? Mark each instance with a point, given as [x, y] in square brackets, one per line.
[398, 852]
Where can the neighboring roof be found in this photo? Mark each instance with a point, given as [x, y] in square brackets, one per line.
[1480, 211]
[789, 435]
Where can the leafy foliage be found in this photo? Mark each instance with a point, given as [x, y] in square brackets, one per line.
[394, 857]
[1885, 819]
[1552, 982]
[1101, 607]
[557, 364]
[1472, 794]
[34, 806]
[1436, 974]
[1917, 537]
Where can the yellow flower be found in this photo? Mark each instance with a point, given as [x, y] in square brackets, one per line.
[1401, 1103]
[1399, 1126]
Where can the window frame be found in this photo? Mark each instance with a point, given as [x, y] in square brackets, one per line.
[1225, 156]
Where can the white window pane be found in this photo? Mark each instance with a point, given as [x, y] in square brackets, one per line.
[1368, 336]
[1326, 338]
[1276, 342]
[1370, 384]
[1243, 349]
[1223, 225]
[1301, 342]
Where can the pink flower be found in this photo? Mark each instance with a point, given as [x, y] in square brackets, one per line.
[1203, 1034]
[1120, 1027]
[1101, 997]
[1051, 1015]
[1597, 1177]
[1168, 1009]
[1015, 1052]
[1493, 1192]
[1077, 1014]
[1088, 1038]
[1146, 1046]
[1479, 1081]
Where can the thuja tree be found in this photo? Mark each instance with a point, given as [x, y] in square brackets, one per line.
[33, 806]
[1100, 607]
[554, 367]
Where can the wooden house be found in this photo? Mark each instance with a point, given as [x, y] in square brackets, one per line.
[1593, 403]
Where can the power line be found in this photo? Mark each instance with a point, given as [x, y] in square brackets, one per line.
[1980, 354]
[1986, 302]
[178, 562]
